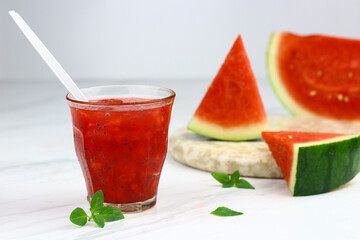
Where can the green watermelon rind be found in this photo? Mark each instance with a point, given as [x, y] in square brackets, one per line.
[321, 166]
[235, 133]
[276, 82]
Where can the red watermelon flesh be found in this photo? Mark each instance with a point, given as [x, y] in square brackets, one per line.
[232, 108]
[316, 74]
[281, 145]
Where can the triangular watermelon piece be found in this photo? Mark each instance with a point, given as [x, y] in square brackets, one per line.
[314, 163]
[232, 108]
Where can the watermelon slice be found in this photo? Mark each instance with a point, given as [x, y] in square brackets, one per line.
[314, 163]
[316, 75]
[232, 108]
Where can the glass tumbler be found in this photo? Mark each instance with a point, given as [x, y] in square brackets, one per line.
[121, 138]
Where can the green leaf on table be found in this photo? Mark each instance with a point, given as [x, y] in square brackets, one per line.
[242, 183]
[225, 212]
[233, 180]
[98, 219]
[235, 177]
[111, 214]
[227, 185]
[78, 216]
[99, 213]
[97, 202]
[221, 177]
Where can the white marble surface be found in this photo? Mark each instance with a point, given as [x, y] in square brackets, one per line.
[41, 181]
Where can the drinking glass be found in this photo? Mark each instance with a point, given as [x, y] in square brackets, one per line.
[121, 138]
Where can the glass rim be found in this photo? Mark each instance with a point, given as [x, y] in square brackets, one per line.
[171, 95]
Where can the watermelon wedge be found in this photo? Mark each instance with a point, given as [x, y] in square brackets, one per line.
[314, 163]
[316, 75]
[232, 108]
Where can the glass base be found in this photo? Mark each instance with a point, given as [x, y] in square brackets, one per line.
[134, 207]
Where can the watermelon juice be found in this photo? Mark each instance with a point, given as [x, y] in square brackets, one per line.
[121, 138]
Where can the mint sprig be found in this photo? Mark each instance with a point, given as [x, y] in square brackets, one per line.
[225, 212]
[231, 181]
[99, 213]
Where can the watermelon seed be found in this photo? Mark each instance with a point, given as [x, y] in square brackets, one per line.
[99, 176]
[92, 140]
[99, 128]
[125, 144]
[103, 181]
[98, 125]
[100, 149]
[104, 155]
[340, 97]
[95, 131]
[312, 93]
[122, 186]
[139, 194]
[90, 133]
[107, 114]
[112, 189]
[91, 160]
[104, 169]
[346, 99]
[104, 133]
[111, 164]
[143, 163]
[105, 126]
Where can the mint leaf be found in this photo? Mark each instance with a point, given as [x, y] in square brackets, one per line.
[228, 185]
[99, 213]
[221, 178]
[78, 216]
[97, 202]
[242, 183]
[235, 177]
[98, 219]
[111, 214]
[225, 212]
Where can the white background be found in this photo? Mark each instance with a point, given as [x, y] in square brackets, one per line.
[161, 39]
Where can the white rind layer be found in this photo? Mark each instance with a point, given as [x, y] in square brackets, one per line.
[207, 129]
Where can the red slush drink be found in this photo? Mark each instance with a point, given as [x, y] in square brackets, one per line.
[121, 145]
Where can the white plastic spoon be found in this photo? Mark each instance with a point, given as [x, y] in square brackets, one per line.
[48, 58]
